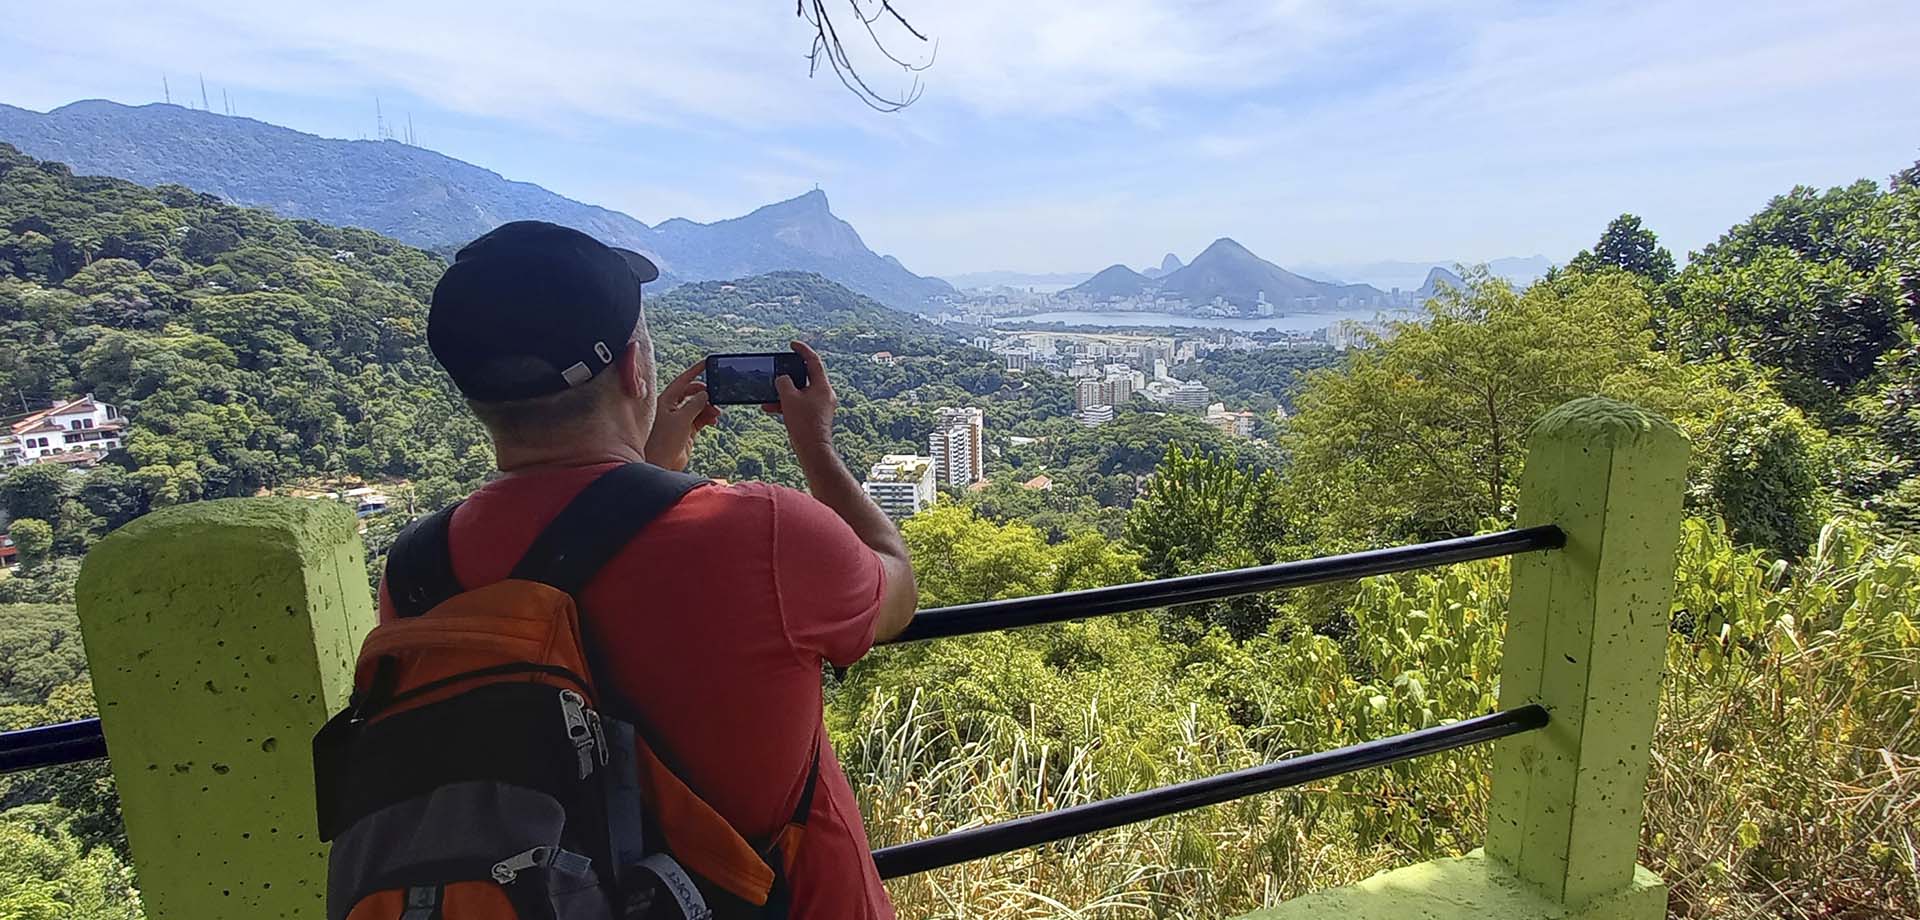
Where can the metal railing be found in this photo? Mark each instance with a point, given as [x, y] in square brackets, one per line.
[74, 742]
[1048, 827]
[990, 616]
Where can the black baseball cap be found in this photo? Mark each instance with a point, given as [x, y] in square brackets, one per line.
[534, 308]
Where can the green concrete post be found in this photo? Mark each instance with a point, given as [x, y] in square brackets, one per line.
[220, 636]
[1586, 638]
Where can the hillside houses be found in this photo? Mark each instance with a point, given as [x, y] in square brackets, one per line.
[76, 432]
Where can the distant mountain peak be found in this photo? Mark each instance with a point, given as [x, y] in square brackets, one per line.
[811, 202]
[1225, 245]
[1170, 264]
[1436, 277]
[1228, 271]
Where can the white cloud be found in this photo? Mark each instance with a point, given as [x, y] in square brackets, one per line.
[734, 63]
[1074, 133]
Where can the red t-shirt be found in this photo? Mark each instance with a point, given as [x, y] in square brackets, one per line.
[714, 622]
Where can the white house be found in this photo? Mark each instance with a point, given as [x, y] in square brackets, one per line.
[901, 484]
[1237, 424]
[78, 431]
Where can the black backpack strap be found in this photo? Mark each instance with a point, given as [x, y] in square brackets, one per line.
[420, 565]
[599, 523]
[805, 808]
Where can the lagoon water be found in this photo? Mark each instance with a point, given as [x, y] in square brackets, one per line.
[1291, 322]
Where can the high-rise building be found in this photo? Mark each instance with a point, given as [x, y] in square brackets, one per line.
[1113, 389]
[1087, 393]
[1094, 416]
[901, 484]
[1191, 394]
[958, 445]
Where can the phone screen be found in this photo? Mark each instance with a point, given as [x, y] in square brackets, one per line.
[737, 380]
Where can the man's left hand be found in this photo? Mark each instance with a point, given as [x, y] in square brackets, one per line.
[680, 414]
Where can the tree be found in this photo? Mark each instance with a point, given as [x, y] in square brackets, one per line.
[1905, 179]
[1812, 285]
[35, 491]
[1204, 513]
[76, 528]
[49, 876]
[111, 495]
[1627, 245]
[1422, 434]
[39, 650]
[1758, 463]
[1194, 504]
[959, 558]
[34, 539]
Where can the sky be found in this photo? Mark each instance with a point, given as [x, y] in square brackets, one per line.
[1072, 134]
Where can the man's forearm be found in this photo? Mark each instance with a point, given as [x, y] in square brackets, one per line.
[833, 485]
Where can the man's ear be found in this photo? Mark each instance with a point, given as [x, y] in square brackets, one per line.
[632, 382]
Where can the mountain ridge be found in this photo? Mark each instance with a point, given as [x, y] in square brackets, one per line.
[1232, 273]
[1408, 274]
[432, 200]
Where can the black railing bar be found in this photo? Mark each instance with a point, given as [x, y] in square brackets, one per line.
[990, 616]
[37, 747]
[79, 741]
[1048, 827]
[52, 745]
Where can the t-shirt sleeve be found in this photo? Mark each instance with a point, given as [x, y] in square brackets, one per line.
[829, 583]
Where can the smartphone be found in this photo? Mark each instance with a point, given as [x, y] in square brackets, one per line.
[747, 379]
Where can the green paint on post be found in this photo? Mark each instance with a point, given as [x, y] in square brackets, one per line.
[220, 636]
[1472, 887]
[1586, 638]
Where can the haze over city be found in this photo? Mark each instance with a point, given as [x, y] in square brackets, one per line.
[1072, 135]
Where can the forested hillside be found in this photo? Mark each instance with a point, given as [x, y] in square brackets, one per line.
[434, 201]
[253, 352]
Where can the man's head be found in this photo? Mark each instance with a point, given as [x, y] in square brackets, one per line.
[541, 328]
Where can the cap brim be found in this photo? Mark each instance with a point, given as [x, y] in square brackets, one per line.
[643, 267]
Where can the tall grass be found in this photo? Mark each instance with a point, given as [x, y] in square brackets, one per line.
[1787, 759]
[1785, 778]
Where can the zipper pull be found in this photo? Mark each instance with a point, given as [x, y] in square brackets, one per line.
[574, 711]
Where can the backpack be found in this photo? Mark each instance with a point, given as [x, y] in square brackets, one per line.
[477, 774]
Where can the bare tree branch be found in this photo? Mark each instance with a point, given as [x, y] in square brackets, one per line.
[828, 46]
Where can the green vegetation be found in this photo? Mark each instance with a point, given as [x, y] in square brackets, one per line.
[1261, 380]
[1786, 766]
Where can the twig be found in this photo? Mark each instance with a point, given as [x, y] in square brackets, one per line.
[827, 45]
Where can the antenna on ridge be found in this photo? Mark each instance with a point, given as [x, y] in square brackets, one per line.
[165, 90]
[226, 103]
[379, 121]
[409, 129]
[205, 106]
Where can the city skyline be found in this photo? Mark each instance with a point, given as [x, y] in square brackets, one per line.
[1076, 135]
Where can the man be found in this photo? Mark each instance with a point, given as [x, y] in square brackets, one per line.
[712, 625]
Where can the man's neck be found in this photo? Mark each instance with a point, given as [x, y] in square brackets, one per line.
[522, 458]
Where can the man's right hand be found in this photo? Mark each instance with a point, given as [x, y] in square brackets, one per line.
[808, 413]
